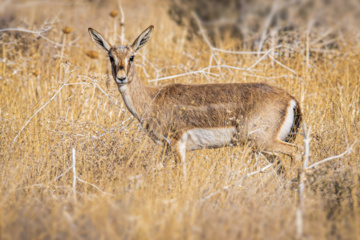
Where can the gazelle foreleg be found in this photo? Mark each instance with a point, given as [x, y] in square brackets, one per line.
[180, 148]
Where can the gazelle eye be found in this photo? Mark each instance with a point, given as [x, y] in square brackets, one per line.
[131, 58]
[111, 58]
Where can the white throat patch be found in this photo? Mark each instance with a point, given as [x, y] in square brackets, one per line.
[127, 99]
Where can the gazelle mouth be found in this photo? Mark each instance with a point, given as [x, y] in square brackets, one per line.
[121, 80]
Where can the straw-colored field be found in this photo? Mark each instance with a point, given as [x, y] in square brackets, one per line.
[57, 94]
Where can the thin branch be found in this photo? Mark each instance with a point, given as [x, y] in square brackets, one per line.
[259, 60]
[274, 9]
[202, 30]
[42, 3]
[32, 32]
[196, 72]
[66, 171]
[212, 48]
[293, 71]
[258, 171]
[299, 211]
[43, 106]
[220, 22]
[262, 170]
[237, 52]
[27, 122]
[203, 33]
[122, 22]
[347, 151]
[79, 179]
[74, 173]
[97, 188]
[267, 78]
[175, 76]
[98, 86]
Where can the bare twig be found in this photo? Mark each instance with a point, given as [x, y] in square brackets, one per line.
[293, 71]
[75, 177]
[96, 187]
[238, 52]
[197, 72]
[42, 107]
[74, 173]
[262, 170]
[267, 78]
[122, 22]
[202, 30]
[299, 210]
[212, 48]
[203, 33]
[97, 85]
[42, 3]
[347, 151]
[38, 33]
[259, 60]
[275, 8]
[27, 122]
[66, 171]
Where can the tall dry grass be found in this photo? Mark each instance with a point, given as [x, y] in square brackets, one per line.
[55, 98]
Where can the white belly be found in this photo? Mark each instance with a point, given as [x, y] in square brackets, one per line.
[208, 137]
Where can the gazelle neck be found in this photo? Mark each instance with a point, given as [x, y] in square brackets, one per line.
[135, 96]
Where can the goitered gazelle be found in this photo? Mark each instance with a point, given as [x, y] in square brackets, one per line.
[194, 116]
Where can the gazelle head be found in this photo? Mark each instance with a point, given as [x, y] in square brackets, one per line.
[122, 56]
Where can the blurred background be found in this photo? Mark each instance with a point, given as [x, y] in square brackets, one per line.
[253, 23]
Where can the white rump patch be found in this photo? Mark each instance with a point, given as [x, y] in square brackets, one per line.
[288, 121]
[208, 137]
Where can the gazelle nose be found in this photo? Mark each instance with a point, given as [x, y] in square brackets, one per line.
[120, 80]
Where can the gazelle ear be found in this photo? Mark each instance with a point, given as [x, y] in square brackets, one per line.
[142, 38]
[99, 40]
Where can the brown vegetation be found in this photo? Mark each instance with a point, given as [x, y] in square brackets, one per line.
[57, 95]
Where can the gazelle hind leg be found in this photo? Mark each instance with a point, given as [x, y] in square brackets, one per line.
[165, 155]
[287, 148]
[276, 161]
[283, 147]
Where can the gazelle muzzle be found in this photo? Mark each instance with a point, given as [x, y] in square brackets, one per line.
[121, 80]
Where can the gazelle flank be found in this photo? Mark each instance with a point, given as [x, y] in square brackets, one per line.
[189, 117]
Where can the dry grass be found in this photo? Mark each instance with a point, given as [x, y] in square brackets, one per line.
[136, 199]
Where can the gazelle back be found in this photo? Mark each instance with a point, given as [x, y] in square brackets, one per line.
[188, 117]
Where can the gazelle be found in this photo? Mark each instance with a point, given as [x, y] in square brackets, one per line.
[188, 116]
